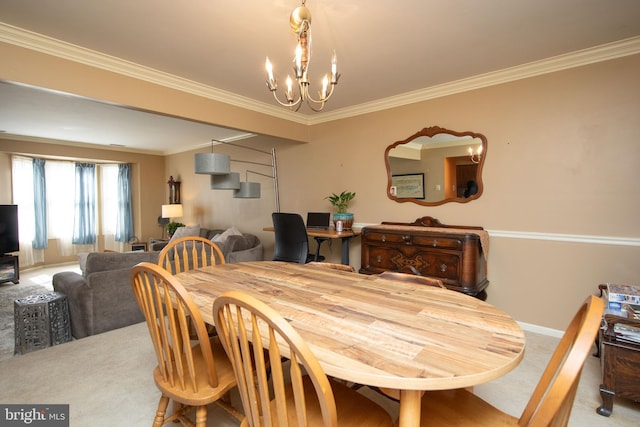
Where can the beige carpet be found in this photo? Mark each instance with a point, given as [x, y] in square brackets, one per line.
[9, 292]
[32, 282]
[106, 379]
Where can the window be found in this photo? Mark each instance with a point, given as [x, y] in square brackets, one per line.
[61, 179]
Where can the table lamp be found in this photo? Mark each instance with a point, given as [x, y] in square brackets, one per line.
[172, 211]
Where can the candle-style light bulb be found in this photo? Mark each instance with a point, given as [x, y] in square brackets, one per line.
[271, 81]
[289, 93]
[334, 67]
[269, 68]
[325, 84]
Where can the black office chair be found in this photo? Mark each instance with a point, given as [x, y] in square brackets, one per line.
[292, 244]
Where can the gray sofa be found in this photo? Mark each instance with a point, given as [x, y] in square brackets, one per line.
[101, 299]
[246, 247]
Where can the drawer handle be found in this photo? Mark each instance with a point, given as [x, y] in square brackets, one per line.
[406, 239]
[384, 238]
[379, 259]
[443, 267]
[435, 243]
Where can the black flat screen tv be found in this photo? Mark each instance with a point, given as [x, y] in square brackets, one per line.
[9, 229]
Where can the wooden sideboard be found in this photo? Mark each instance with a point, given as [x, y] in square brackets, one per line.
[453, 254]
[620, 362]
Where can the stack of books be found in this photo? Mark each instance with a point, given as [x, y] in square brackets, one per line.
[623, 295]
[632, 310]
[624, 301]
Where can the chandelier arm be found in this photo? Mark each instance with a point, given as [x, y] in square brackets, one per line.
[321, 100]
[287, 104]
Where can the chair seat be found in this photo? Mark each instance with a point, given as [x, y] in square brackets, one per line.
[203, 396]
[461, 408]
[353, 408]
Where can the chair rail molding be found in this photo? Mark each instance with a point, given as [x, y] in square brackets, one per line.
[574, 238]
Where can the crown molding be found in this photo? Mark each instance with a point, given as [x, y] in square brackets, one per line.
[40, 43]
[588, 56]
[50, 46]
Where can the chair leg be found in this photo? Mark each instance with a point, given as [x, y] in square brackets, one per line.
[201, 416]
[158, 421]
[319, 241]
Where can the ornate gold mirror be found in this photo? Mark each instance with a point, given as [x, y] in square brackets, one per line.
[436, 166]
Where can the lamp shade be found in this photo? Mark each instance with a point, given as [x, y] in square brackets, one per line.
[248, 190]
[172, 211]
[212, 163]
[226, 182]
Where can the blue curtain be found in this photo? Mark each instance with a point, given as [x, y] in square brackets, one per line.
[124, 222]
[40, 240]
[84, 223]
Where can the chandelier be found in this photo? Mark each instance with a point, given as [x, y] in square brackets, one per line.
[300, 22]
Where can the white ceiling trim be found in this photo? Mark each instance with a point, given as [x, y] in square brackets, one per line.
[30, 40]
[50, 46]
[562, 62]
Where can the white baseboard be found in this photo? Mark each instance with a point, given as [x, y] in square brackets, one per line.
[541, 330]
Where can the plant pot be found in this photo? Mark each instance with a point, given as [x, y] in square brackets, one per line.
[346, 218]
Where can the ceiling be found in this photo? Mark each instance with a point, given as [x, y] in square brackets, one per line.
[385, 49]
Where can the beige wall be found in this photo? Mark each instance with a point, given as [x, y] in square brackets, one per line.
[561, 159]
[560, 175]
[560, 167]
[27, 66]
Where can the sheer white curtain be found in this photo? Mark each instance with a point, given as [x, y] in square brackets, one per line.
[60, 207]
[60, 178]
[109, 211]
[22, 175]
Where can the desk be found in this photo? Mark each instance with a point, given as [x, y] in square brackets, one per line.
[374, 331]
[331, 233]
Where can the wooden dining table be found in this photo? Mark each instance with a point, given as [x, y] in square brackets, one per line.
[373, 331]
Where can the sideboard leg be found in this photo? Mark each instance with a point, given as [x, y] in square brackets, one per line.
[607, 401]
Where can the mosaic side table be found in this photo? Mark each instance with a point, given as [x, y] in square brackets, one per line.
[41, 321]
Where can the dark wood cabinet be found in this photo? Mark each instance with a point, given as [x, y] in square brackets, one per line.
[454, 254]
[620, 361]
[9, 269]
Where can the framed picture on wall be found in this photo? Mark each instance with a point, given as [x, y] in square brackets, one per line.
[408, 186]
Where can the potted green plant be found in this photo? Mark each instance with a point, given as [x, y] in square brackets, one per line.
[341, 203]
[172, 227]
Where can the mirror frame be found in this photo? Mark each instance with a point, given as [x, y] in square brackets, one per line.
[430, 132]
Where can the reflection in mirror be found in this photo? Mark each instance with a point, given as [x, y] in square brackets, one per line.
[436, 166]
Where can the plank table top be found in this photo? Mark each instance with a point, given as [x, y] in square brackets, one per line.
[374, 331]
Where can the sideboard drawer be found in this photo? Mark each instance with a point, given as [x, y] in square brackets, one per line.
[437, 242]
[428, 263]
[388, 237]
[413, 239]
